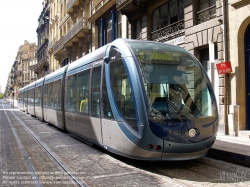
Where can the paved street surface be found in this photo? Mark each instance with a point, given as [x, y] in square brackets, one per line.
[34, 153]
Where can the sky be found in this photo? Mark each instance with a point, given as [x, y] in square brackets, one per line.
[18, 22]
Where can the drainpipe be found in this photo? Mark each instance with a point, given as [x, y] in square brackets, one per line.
[91, 26]
[113, 25]
[225, 59]
[102, 30]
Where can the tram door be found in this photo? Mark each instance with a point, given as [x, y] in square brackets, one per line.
[95, 120]
[247, 62]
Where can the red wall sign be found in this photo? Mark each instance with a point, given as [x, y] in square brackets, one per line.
[224, 67]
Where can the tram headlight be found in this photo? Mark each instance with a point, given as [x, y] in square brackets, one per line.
[192, 132]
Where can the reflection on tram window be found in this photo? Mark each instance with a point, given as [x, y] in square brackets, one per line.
[71, 93]
[106, 108]
[83, 91]
[57, 95]
[38, 96]
[45, 96]
[50, 95]
[95, 92]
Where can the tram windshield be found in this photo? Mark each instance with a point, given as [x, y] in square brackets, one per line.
[177, 88]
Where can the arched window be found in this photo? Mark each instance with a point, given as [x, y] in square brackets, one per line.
[167, 14]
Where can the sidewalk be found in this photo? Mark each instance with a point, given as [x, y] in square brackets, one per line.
[232, 149]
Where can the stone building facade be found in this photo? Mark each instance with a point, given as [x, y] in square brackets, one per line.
[69, 31]
[42, 66]
[22, 72]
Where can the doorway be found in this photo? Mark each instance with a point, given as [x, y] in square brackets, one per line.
[247, 71]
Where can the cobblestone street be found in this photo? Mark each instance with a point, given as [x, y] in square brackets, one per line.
[35, 152]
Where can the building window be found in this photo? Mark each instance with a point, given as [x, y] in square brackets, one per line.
[65, 62]
[109, 31]
[204, 58]
[118, 26]
[167, 14]
[203, 4]
[138, 29]
[207, 10]
[99, 37]
[109, 23]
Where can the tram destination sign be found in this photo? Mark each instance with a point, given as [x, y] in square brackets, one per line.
[224, 67]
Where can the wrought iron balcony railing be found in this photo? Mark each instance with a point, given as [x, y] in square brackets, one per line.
[122, 3]
[169, 32]
[57, 45]
[43, 45]
[98, 5]
[42, 60]
[79, 26]
[64, 19]
[206, 14]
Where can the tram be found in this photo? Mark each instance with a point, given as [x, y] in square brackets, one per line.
[140, 99]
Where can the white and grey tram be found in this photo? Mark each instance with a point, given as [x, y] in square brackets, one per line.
[140, 99]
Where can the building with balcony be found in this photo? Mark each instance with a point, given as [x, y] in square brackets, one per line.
[42, 66]
[22, 72]
[27, 59]
[69, 31]
[12, 82]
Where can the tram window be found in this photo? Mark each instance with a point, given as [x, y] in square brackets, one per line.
[83, 91]
[95, 92]
[71, 93]
[50, 94]
[38, 96]
[45, 96]
[57, 94]
[122, 92]
[30, 97]
[106, 112]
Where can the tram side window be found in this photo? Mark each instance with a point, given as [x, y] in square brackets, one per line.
[38, 96]
[95, 92]
[45, 96]
[28, 97]
[50, 94]
[83, 91]
[30, 93]
[122, 92]
[106, 112]
[57, 94]
[71, 93]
